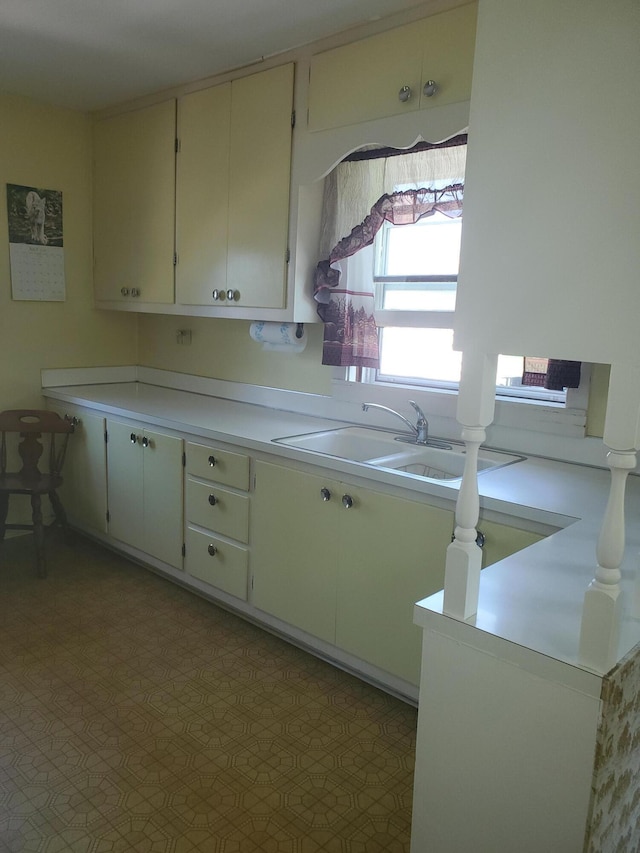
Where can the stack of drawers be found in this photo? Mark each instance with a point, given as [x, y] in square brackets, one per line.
[217, 518]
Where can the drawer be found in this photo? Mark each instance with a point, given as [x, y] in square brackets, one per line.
[218, 563]
[215, 508]
[223, 466]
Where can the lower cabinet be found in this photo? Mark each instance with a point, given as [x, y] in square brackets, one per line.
[217, 518]
[84, 489]
[145, 490]
[502, 540]
[346, 564]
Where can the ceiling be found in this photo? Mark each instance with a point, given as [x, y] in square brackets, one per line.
[89, 54]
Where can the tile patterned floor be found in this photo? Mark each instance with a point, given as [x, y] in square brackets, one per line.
[135, 716]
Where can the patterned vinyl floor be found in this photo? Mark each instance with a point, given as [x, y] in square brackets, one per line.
[135, 716]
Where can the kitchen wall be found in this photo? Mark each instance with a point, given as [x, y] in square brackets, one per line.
[222, 349]
[50, 148]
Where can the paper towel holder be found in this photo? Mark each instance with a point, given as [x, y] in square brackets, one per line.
[299, 330]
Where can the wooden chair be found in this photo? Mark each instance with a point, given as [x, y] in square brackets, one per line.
[36, 429]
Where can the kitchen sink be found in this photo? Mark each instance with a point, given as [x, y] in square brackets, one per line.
[387, 450]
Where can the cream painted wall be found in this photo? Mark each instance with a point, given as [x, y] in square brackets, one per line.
[222, 349]
[47, 147]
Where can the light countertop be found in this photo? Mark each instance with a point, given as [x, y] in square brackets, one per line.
[532, 599]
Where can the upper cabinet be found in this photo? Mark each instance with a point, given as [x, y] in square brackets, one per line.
[134, 191]
[210, 199]
[387, 74]
[232, 203]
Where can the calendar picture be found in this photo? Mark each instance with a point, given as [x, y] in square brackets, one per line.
[36, 243]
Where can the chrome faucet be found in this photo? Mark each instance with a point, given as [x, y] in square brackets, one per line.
[421, 427]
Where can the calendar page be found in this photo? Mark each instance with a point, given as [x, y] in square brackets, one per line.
[36, 250]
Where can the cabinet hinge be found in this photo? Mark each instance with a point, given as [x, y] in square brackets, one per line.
[106, 437]
[287, 256]
[293, 118]
[175, 259]
[251, 581]
[184, 460]
[177, 146]
[184, 550]
[108, 516]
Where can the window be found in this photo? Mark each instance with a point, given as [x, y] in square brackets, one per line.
[415, 278]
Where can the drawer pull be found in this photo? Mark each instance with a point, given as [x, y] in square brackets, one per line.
[145, 441]
[325, 494]
[212, 461]
[133, 438]
[213, 500]
[212, 550]
[347, 501]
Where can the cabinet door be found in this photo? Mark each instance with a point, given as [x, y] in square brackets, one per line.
[145, 490]
[392, 554]
[448, 44]
[361, 81]
[294, 548]
[501, 541]
[84, 489]
[162, 496]
[260, 163]
[125, 483]
[202, 194]
[134, 200]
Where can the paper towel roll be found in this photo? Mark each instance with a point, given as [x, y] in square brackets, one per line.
[279, 337]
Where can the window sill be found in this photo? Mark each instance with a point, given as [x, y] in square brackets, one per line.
[523, 425]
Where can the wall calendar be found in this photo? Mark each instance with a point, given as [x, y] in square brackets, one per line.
[36, 249]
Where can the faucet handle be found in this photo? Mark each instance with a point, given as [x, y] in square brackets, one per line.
[419, 411]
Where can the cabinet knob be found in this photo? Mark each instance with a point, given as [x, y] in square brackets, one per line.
[430, 88]
[145, 441]
[347, 501]
[212, 461]
[325, 494]
[215, 294]
[124, 291]
[233, 295]
[135, 291]
[134, 438]
[404, 94]
[213, 500]
[212, 550]
[73, 420]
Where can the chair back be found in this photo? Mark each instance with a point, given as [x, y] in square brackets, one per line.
[31, 425]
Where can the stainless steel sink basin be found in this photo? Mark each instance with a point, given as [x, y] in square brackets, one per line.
[383, 450]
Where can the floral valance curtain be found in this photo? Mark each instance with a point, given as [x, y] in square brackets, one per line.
[417, 185]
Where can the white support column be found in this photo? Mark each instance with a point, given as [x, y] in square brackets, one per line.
[601, 612]
[600, 628]
[476, 401]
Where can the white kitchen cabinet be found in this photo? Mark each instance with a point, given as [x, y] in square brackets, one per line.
[362, 81]
[144, 469]
[259, 175]
[202, 192]
[295, 548]
[84, 489]
[346, 564]
[217, 518]
[134, 200]
[210, 197]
